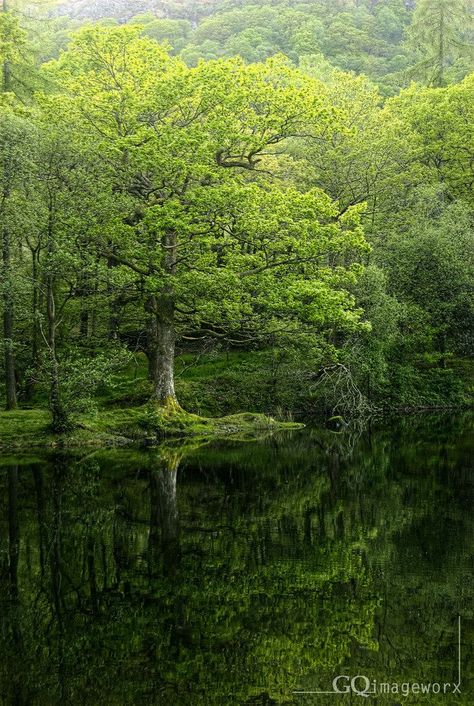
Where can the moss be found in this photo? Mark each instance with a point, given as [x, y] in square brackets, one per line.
[24, 428]
[145, 425]
[151, 423]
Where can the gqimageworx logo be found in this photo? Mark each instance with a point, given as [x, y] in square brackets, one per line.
[362, 685]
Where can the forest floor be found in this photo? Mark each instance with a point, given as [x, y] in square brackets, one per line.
[215, 389]
[121, 414]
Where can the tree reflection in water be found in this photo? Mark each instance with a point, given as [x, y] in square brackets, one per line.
[237, 573]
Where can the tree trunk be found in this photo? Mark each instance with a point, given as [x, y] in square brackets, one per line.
[114, 307]
[152, 341]
[165, 393]
[60, 421]
[31, 381]
[162, 307]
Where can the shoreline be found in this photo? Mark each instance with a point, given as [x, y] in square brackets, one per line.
[134, 427]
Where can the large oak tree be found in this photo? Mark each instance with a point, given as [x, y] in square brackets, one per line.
[221, 244]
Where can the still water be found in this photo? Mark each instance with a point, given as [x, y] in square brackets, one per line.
[241, 573]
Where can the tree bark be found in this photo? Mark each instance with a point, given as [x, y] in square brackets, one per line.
[162, 308]
[166, 342]
[152, 341]
[31, 381]
[60, 421]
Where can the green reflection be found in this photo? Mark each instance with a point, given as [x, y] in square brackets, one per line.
[238, 573]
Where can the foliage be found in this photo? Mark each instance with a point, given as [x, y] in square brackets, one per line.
[179, 208]
[442, 32]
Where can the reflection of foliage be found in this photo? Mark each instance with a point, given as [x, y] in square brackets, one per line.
[267, 567]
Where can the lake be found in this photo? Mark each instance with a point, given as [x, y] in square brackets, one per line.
[244, 572]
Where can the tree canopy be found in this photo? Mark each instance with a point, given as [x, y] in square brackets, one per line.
[156, 207]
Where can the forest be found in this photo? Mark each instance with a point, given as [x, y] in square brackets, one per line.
[236, 318]
[223, 207]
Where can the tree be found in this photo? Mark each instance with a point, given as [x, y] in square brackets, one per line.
[221, 247]
[69, 204]
[368, 156]
[16, 67]
[10, 37]
[432, 266]
[174, 32]
[22, 32]
[11, 40]
[16, 148]
[442, 121]
[441, 32]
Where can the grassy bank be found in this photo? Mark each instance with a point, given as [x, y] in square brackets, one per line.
[145, 425]
[216, 390]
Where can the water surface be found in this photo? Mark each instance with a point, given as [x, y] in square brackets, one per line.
[240, 573]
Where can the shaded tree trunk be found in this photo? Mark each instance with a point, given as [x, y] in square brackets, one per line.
[161, 348]
[114, 307]
[60, 420]
[31, 381]
[162, 336]
[164, 384]
[152, 341]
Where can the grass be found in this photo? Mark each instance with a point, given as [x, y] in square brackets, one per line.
[124, 417]
[30, 429]
[23, 428]
[192, 373]
[213, 387]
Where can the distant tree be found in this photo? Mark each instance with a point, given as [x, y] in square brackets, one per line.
[441, 32]
[174, 32]
[11, 37]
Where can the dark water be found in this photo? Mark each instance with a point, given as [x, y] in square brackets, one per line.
[240, 573]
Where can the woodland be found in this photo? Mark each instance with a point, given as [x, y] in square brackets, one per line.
[227, 207]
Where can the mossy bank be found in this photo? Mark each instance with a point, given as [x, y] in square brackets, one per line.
[147, 425]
